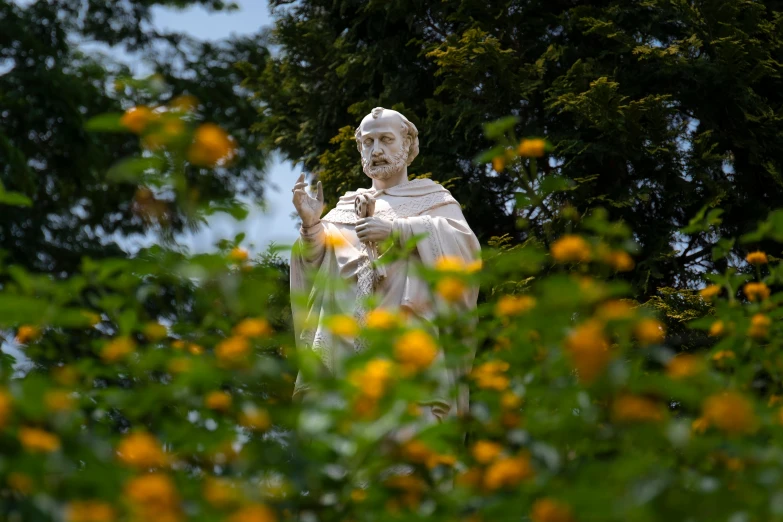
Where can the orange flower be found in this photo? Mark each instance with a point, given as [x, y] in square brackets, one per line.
[717, 328]
[141, 450]
[589, 350]
[723, 354]
[415, 350]
[491, 375]
[238, 254]
[759, 326]
[184, 103]
[373, 379]
[58, 400]
[710, 292]
[635, 408]
[154, 497]
[532, 148]
[232, 350]
[650, 331]
[683, 366]
[615, 310]
[571, 249]
[211, 146]
[485, 451]
[27, 333]
[253, 328]
[255, 418]
[20, 482]
[5, 407]
[509, 305]
[218, 400]
[756, 291]
[381, 319]
[450, 264]
[508, 472]
[343, 325]
[220, 492]
[36, 440]
[757, 258]
[136, 119]
[700, 425]
[549, 510]
[155, 331]
[335, 240]
[620, 261]
[451, 289]
[731, 413]
[498, 163]
[89, 511]
[117, 349]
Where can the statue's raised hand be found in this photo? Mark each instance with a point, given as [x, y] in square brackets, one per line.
[309, 208]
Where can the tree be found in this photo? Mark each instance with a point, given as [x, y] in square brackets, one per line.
[656, 109]
[49, 89]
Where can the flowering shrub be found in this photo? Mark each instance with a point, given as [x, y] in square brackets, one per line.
[159, 388]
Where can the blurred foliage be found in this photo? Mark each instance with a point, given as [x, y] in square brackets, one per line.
[656, 109]
[49, 88]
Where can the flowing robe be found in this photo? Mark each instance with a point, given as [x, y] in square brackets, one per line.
[416, 207]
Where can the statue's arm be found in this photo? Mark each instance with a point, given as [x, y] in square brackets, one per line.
[313, 242]
[448, 223]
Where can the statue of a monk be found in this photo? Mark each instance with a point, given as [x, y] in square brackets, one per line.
[388, 143]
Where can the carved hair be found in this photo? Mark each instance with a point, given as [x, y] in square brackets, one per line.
[409, 132]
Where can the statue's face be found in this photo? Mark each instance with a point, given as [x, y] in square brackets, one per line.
[384, 149]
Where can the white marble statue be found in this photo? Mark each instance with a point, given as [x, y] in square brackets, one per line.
[344, 243]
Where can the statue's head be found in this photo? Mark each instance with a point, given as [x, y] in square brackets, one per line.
[387, 141]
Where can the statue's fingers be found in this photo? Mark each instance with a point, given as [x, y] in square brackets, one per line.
[320, 192]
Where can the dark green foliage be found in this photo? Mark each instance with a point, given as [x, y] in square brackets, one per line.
[656, 108]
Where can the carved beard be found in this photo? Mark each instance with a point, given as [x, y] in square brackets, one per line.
[393, 166]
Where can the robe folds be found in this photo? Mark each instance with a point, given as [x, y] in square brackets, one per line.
[334, 252]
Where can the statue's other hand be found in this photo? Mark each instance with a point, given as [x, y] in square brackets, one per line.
[373, 229]
[309, 208]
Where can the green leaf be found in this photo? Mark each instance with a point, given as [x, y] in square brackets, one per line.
[108, 122]
[488, 155]
[720, 250]
[133, 169]
[498, 128]
[235, 209]
[551, 184]
[703, 221]
[14, 199]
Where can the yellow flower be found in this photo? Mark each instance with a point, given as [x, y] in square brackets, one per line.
[650, 331]
[220, 492]
[700, 425]
[155, 331]
[532, 148]
[253, 513]
[180, 365]
[141, 450]
[723, 354]
[58, 400]
[343, 325]
[759, 326]
[589, 350]
[449, 264]
[474, 266]
[549, 510]
[381, 319]
[89, 511]
[509, 305]
[571, 249]
[117, 349]
[255, 418]
[491, 375]
[717, 328]
[510, 401]
[710, 292]
[27, 333]
[5, 407]
[451, 289]
[620, 261]
[335, 240]
[757, 258]
[184, 103]
[20, 482]
[218, 400]
[498, 163]
[635, 408]
[211, 146]
[485, 451]
[508, 472]
[253, 328]
[358, 495]
[36, 440]
[683, 366]
[154, 497]
[615, 310]
[415, 350]
[195, 349]
[136, 119]
[238, 254]
[373, 379]
[232, 350]
[730, 412]
[756, 291]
